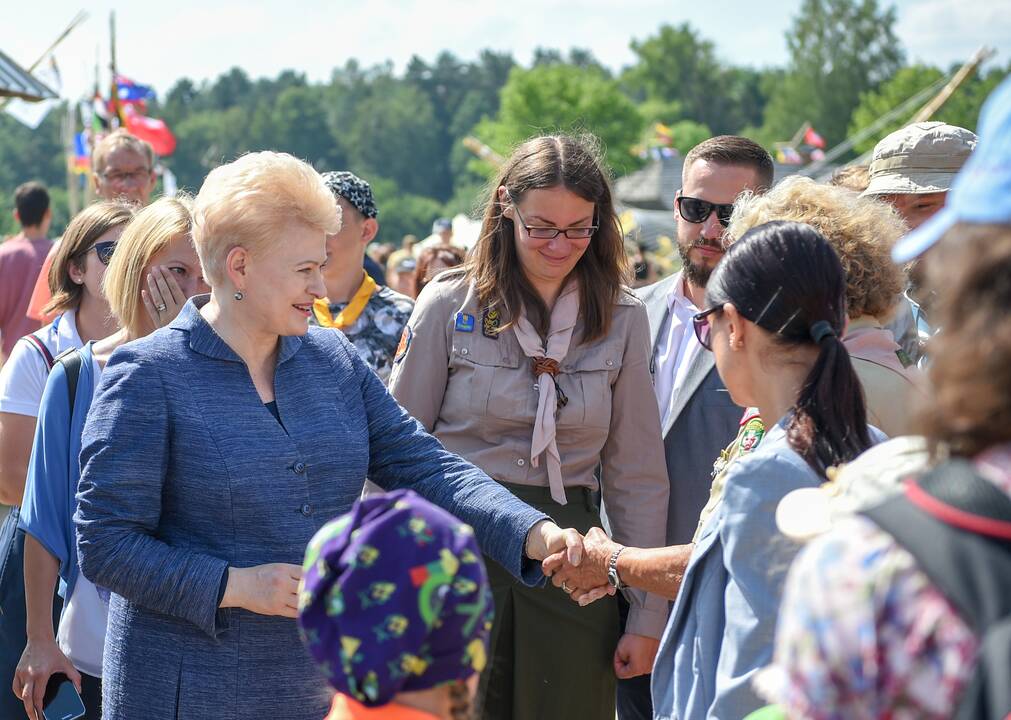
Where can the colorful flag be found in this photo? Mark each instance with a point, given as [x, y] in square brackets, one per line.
[81, 162]
[152, 130]
[128, 91]
[813, 139]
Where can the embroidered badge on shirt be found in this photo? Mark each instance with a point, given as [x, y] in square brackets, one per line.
[405, 344]
[464, 323]
[490, 323]
[751, 435]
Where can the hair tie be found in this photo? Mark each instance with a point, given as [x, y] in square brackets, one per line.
[821, 330]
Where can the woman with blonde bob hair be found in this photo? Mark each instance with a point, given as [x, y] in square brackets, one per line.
[154, 254]
[533, 362]
[204, 474]
[862, 231]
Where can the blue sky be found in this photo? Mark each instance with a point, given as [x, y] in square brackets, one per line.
[159, 43]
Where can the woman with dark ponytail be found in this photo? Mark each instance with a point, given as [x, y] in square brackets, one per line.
[789, 282]
[776, 309]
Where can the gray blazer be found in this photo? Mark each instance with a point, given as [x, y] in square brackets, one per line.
[703, 421]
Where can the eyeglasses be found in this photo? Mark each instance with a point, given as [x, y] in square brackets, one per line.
[136, 177]
[703, 330]
[103, 250]
[698, 211]
[550, 233]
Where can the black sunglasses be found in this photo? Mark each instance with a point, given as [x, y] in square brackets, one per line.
[103, 250]
[697, 211]
[703, 330]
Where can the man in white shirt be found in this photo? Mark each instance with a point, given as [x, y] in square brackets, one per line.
[698, 417]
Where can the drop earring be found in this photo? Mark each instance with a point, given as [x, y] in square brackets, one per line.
[238, 295]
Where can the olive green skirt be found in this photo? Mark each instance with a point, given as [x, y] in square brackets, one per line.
[549, 658]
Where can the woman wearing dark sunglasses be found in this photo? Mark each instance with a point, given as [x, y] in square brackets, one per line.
[82, 314]
[776, 306]
[776, 311]
[159, 237]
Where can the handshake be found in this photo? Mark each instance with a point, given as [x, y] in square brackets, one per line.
[579, 566]
[576, 564]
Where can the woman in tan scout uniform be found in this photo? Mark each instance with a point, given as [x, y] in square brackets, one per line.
[533, 363]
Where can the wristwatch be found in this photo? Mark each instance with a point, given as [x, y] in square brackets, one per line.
[612, 570]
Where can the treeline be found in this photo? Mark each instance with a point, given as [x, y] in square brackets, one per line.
[404, 131]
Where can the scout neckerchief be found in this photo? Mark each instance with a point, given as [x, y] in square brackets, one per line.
[346, 317]
[545, 359]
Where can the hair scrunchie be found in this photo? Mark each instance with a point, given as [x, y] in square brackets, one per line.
[821, 330]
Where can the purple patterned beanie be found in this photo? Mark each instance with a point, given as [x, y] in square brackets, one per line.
[394, 598]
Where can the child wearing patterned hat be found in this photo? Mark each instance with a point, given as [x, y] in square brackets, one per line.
[395, 608]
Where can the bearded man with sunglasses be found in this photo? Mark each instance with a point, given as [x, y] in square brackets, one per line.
[698, 417]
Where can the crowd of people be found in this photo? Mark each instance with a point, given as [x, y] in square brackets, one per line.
[260, 465]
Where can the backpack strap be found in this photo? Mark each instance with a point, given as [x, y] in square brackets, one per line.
[71, 361]
[953, 523]
[946, 537]
[33, 340]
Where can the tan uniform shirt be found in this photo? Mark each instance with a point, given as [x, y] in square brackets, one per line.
[474, 389]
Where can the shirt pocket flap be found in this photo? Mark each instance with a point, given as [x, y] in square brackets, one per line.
[600, 356]
[485, 351]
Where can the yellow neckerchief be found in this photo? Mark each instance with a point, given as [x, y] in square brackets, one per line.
[346, 317]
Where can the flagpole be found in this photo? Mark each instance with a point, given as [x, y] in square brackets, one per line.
[114, 97]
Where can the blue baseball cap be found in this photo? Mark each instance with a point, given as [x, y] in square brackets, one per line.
[981, 194]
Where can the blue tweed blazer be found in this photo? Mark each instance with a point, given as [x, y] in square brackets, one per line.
[185, 473]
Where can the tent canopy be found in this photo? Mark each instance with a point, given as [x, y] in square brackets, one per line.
[17, 82]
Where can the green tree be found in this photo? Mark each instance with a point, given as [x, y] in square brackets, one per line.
[677, 67]
[402, 213]
[838, 49]
[563, 98]
[961, 109]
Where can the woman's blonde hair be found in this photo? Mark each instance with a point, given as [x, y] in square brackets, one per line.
[83, 231]
[151, 230]
[246, 203]
[861, 230]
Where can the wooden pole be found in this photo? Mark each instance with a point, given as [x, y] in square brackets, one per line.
[78, 19]
[928, 110]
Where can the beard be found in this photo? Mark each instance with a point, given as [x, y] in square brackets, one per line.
[696, 273]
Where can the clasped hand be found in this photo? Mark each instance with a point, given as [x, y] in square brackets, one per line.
[586, 581]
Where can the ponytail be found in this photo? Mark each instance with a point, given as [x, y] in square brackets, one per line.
[786, 278]
[829, 423]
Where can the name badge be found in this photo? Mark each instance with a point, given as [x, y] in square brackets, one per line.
[464, 322]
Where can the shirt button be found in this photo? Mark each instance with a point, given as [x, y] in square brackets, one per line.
[609, 363]
[299, 467]
[465, 351]
[521, 462]
[307, 509]
[536, 386]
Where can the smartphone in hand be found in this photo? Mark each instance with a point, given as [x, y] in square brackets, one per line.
[62, 701]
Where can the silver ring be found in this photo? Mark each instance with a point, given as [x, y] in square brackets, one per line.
[565, 588]
[161, 307]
